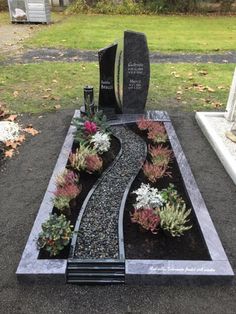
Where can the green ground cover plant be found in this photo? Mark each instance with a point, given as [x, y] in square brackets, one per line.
[164, 33]
[49, 86]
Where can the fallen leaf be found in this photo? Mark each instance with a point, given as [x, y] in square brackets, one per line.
[46, 96]
[9, 153]
[48, 90]
[57, 106]
[20, 139]
[221, 87]
[216, 104]
[55, 98]
[211, 90]
[12, 117]
[11, 144]
[15, 93]
[54, 81]
[31, 131]
[203, 72]
[179, 92]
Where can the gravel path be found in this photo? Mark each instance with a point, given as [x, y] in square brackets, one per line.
[98, 232]
[73, 55]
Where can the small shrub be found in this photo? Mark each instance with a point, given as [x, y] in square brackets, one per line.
[147, 218]
[56, 234]
[171, 196]
[88, 125]
[78, 159]
[67, 189]
[147, 197]
[144, 124]
[174, 219]
[157, 133]
[156, 130]
[67, 177]
[155, 172]
[93, 163]
[101, 142]
[160, 155]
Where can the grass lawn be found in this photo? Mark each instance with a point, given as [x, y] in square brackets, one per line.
[4, 18]
[164, 33]
[46, 86]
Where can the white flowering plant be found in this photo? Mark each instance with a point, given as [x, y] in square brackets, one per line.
[164, 208]
[148, 197]
[101, 142]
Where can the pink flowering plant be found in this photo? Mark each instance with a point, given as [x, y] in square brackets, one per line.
[160, 209]
[87, 126]
[67, 188]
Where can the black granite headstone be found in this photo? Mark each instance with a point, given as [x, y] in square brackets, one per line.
[125, 74]
[132, 72]
[107, 99]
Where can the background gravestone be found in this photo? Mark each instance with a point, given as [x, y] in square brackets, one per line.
[125, 70]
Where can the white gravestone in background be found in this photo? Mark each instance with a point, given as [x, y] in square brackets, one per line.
[230, 113]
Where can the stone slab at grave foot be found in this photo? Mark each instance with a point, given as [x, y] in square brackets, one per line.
[216, 126]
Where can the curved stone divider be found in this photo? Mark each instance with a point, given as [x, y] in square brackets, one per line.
[78, 222]
[96, 240]
[121, 215]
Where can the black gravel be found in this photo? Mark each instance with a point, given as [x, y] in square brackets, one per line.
[74, 55]
[98, 232]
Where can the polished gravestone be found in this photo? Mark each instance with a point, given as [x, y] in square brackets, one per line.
[124, 75]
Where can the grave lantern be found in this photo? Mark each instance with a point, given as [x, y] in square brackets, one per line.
[34, 11]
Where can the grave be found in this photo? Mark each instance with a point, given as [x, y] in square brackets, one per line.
[217, 126]
[98, 252]
[124, 75]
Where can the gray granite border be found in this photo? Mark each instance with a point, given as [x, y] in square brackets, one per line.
[165, 271]
[30, 267]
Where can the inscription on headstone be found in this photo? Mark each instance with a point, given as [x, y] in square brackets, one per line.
[128, 62]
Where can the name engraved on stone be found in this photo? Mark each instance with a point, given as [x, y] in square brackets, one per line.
[107, 84]
[135, 84]
[135, 68]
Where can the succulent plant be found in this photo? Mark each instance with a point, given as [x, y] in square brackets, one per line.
[174, 219]
[55, 235]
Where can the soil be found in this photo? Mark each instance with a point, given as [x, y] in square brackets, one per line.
[145, 245]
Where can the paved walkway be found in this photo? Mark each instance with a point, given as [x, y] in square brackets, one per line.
[74, 55]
